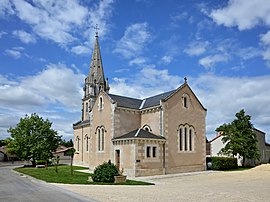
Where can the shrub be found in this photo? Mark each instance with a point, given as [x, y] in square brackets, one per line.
[222, 163]
[105, 172]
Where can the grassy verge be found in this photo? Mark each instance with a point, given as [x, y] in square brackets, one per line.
[64, 176]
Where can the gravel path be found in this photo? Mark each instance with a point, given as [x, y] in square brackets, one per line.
[249, 185]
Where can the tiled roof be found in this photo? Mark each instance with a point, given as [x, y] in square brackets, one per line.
[134, 103]
[139, 134]
[155, 100]
[127, 102]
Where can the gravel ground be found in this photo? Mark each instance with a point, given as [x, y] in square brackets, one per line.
[248, 185]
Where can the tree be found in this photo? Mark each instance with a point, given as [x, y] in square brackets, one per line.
[67, 143]
[71, 152]
[239, 137]
[33, 139]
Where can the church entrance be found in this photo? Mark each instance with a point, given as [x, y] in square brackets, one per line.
[117, 158]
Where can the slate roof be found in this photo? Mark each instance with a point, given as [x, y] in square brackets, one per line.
[79, 123]
[134, 103]
[139, 134]
[127, 102]
[155, 100]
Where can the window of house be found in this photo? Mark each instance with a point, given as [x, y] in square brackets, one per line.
[190, 140]
[87, 143]
[78, 143]
[185, 100]
[181, 139]
[98, 131]
[101, 103]
[148, 150]
[186, 138]
[86, 105]
[154, 149]
[101, 139]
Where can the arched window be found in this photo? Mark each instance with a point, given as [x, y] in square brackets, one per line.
[181, 139]
[100, 103]
[87, 142]
[185, 100]
[99, 148]
[86, 106]
[78, 143]
[101, 138]
[186, 137]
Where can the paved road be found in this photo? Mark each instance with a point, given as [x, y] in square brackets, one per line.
[14, 187]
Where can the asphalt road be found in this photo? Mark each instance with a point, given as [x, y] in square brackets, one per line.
[14, 187]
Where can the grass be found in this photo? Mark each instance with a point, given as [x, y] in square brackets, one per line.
[64, 176]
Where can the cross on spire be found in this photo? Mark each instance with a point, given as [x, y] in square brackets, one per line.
[96, 28]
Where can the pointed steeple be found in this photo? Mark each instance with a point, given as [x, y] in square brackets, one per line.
[95, 81]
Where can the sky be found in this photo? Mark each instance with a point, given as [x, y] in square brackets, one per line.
[147, 47]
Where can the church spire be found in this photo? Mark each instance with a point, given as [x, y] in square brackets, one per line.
[95, 81]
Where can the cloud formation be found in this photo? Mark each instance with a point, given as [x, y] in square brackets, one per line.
[243, 14]
[66, 23]
[135, 38]
[24, 36]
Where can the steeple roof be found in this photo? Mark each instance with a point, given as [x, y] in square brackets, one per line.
[96, 73]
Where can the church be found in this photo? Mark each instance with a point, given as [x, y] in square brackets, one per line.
[158, 135]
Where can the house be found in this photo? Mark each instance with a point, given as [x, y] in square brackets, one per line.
[216, 145]
[63, 153]
[157, 135]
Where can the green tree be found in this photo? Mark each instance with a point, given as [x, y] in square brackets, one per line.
[67, 143]
[33, 139]
[71, 152]
[239, 137]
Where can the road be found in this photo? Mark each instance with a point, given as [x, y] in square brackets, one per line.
[14, 187]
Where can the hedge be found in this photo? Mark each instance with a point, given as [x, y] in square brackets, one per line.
[222, 163]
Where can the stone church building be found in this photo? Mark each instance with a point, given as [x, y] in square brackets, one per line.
[157, 135]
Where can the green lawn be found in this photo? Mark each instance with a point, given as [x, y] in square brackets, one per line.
[64, 176]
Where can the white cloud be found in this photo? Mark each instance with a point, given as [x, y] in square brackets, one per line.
[147, 82]
[211, 60]
[67, 23]
[51, 86]
[6, 8]
[135, 38]
[2, 34]
[137, 61]
[166, 59]
[24, 36]
[15, 52]
[243, 14]
[225, 96]
[80, 50]
[48, 93]
[196, 48]
[265, 38]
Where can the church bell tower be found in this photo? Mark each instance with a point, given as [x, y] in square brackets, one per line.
[95, 81]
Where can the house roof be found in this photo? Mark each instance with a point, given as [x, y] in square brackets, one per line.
[80, 123]
[134, 103]
[139, 134]
[155, 100]
[127, 102]
[218, 136]
[61, 149]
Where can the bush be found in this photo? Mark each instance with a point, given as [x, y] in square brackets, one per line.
[222, 163]
[105, 172]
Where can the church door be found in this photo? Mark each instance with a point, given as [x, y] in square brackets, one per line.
[117, 158]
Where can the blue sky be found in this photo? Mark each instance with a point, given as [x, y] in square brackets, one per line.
[147, 46]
